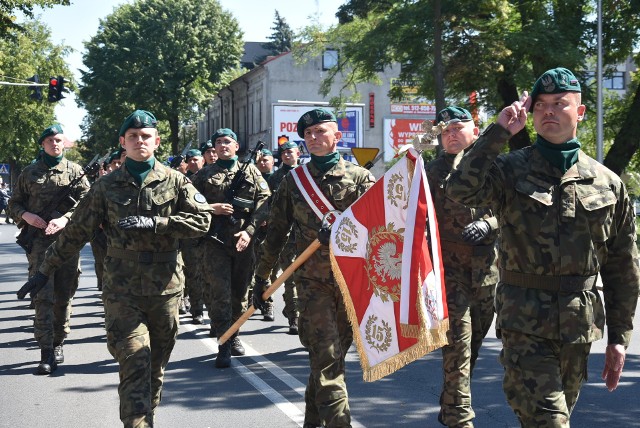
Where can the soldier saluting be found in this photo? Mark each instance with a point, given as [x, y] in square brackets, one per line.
[37, 187]
[565, 220]
[145, 208]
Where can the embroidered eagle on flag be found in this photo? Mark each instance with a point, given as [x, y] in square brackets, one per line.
[391, 282]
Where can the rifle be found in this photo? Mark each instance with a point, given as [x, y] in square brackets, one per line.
[231, 195]
[51, 210]
[177, 160]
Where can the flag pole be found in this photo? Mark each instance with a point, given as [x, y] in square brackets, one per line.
[272, 289]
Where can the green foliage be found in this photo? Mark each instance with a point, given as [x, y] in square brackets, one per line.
[165, 56]
[22, 119]
[8, 9]
[281, 38]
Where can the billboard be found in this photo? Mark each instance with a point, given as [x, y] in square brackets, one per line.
[398, 132]
[285, 121]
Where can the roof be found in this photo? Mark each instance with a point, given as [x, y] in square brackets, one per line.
[253, 54]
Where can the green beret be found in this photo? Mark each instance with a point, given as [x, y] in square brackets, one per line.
[266, 152]
[313, 117]
[555, 81]
[453, 114]
[224, 132]
[138, 119]
[206, 146]
[193, 153]
[286, 146]
[52, 130]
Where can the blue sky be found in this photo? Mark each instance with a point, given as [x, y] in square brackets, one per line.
[72, 25]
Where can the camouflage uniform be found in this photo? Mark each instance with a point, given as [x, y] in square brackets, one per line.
[323, 325]
[471, 275]
[143, 278]
[287, 256]
[557, 234]
[99, 250]
[227, 272]
[36, 186]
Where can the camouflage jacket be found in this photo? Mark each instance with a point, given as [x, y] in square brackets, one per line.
[213, 181]
[341, 185]
[555, 227]
[464, 263]
[168, 196]
[38, 184]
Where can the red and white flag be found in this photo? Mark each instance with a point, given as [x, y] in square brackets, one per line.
[394, 294]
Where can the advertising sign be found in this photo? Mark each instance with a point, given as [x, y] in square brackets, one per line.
[398, 132]
[285, 122]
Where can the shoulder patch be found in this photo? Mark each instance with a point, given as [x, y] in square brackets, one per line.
[199, 197]
[263, 184]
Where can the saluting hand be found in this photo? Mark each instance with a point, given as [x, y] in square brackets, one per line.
[513, 118]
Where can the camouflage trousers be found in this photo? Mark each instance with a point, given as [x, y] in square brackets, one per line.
[226, 275]
[326, 333]
[542, 378]
[51, 324]
[193, 287]
[99, 250]
[471, 311]
[290, 295]
[141, 333]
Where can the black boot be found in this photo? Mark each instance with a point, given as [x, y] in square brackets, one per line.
[47, 362]
[268, 312]
[293, 325]
[237, 349]
[223, 360]
[58, 354]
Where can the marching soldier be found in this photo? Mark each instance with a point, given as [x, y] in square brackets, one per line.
[228, 248]
[323, 325]
[36, 187]
[467, 242]
[565, 220]
[145, 208]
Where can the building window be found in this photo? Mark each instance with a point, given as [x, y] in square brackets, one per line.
[329, 59]
[615, 81]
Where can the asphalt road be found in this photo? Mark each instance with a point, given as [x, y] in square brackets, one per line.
[265, 388]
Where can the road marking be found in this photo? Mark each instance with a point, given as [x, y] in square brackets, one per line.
[288, 408]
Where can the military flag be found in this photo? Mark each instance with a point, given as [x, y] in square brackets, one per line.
[394, 294]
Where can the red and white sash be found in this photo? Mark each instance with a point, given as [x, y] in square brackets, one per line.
[312, 193]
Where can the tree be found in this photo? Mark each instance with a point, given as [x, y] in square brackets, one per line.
[27, 52]
[8, 9]
[165, 56]
[495, 47]
[281, 38]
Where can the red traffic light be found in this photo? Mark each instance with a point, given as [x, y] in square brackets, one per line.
[53, 81]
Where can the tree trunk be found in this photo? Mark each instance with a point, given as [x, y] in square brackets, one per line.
[626, 142]
[174, 126]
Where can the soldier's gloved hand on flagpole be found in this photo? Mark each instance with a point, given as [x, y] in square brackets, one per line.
[324, 234]
[476, 231]
[259, 287]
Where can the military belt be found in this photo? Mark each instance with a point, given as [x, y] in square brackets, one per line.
[466, 249]
[565, 284]
[145, 257]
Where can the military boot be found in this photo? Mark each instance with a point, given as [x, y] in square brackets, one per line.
[293, 326]
[267, 314]
[58, 354]
[223, 360]
[237, 349]
[47, 362]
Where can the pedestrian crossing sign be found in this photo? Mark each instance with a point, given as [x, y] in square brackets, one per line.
[4, 168]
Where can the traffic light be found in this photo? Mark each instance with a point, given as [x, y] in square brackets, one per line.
[60, 89]
[53, 90]
[56, 88]
[37, 92]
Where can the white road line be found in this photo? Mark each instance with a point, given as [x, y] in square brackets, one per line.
[291, 410]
